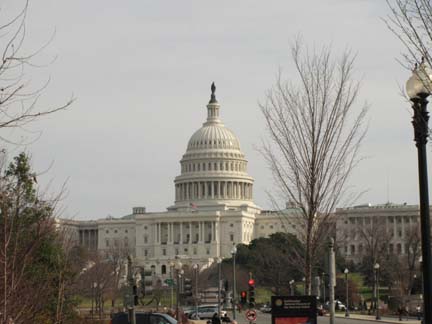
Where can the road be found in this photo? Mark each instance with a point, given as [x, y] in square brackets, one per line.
[263, 318]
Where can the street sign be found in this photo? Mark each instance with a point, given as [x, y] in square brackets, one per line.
[251, 315]
[169, 282]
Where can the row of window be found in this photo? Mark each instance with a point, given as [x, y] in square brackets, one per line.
[355, 234]
[177, 251]
[373, 219]
[391, 248]
[115, 231]
[215, 166]
[216, 143]
[117, 242]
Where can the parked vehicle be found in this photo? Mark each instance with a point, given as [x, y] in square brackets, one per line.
[206, 312]
[143, 318]
[265, 309]
[338, 305]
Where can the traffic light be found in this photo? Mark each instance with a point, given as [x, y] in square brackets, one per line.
[135, 295]
[146, 282]
[187, 287]
[251, 284]
[243, 297]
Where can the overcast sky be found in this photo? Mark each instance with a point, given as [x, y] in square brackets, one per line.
[141, 74]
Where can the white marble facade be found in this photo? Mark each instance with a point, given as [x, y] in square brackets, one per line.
[213, 206]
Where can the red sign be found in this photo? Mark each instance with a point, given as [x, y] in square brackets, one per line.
[292, 320]
[251, 315]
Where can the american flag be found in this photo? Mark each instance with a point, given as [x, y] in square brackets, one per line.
[193, 206]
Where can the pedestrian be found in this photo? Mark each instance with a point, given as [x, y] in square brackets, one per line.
[418, 312]
[400, 312]
[215, 319]
[225, 318]
[407, 312]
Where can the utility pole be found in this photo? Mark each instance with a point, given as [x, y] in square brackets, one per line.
[332, 280]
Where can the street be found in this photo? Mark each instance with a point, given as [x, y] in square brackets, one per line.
[265, 318]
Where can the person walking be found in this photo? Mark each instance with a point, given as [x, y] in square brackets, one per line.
[407, 312]
[400, 312]
[215, 319]
[418, 312]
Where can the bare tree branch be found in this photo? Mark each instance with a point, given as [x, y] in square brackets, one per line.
[314, 140]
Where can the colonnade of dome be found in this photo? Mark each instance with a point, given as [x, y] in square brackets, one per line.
[213, 167]
[200, 190]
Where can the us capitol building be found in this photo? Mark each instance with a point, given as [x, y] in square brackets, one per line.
[213, 208]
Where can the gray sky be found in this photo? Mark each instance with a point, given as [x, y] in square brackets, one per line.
[141, 72]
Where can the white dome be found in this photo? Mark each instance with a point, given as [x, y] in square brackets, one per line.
[214, 136]
[213, 169]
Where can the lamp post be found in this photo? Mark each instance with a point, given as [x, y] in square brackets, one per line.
[304, 285]
[418, 88]
[291, 282]
[233, 253]
[195, 267]
[219, 262]
[172, 264]
[376, 268]
[346, 287]
[421, 274]
[324, 285]
[93, 297]
[178, 267]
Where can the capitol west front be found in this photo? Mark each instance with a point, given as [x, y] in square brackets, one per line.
[213, 208]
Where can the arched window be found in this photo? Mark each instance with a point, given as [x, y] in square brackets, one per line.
[163, 269]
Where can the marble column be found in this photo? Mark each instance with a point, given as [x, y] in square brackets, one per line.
[190, 233]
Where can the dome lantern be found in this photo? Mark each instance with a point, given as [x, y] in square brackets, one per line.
[213, 108]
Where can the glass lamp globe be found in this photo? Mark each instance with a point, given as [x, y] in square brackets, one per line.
[346, 270]
[420, 81]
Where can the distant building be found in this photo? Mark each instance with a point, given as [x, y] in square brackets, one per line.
[213, 208]
[390, 225]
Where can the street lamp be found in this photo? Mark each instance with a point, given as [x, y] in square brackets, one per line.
[376, 268]
[346, 286]
[195, 267]
[304, 285]
[219, 262]
[178, 266]
[421, 274]
[94, 285]
[291, 282]
[233, 253]
[418, 88]
[172, 264]
[324, 285]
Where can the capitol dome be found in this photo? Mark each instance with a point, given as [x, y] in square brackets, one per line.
[213, 169]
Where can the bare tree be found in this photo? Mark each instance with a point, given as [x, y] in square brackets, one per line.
[411, 22]
[116, 256]
[374, 237]
[315, 135]
[18, 96]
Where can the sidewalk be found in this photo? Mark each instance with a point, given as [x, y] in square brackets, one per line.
[384, 319]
